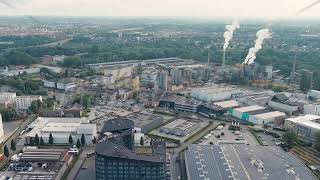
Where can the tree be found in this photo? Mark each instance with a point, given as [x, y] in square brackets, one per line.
[6, 151]
[94, 140]
[41, 141]
[31, 141]
[83, 140]
[13, 145]
[290, 139]
[36, 140]
[8, 114]
[70, 140]
[78, 143]
[141, 141]
[50, 139]
[317, 144]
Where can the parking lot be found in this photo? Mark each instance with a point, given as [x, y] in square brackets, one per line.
[222, 135]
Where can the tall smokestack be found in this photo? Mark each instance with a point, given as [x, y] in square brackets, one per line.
[224, 59]
[261, 36]
[208, 56]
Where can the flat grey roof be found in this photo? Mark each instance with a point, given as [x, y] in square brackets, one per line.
[244, 162]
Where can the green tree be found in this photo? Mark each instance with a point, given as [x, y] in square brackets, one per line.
[70, 140]
[31, 141]
[83, 139]
[50, 139]
[8, 114]
[141, 141]
[6, 151]
[305, 83]
[34, 107]
[94, 140]
[36, 140]
[290, 139]
[13, 145]
[41, 141]
[78, 143]
[317, 144]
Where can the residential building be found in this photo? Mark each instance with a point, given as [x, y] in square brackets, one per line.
[24, 102]
[162, 80]
[8, 97]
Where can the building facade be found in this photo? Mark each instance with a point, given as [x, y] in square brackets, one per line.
[24, 102]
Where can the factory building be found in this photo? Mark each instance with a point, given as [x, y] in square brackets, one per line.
[274, 117]
[313, 95]
[145, 121]
[306, 126]
[312, 109]
[225, 162]
[162, 80]
[61, 129]
[179, 127]
[214, 94]
[120, 130]
[244, 113]
[281, 102]
[228, 104]
[211, 111]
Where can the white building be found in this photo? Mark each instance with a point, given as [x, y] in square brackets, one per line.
[119, 73]
[306, 126]
[7, 97]
[244, 112]
[313, 95]
[275, 117]
[228, 104]
[11, 73]
[24, 102]
[49, 84]
[61, 129]
[1, 130]
[312, 109]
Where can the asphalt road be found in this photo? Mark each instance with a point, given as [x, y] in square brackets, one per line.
[74, 171]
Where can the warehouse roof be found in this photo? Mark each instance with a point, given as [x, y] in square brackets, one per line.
[243, 162]
[250, 108]
[118, 124]
[272, 114]
[227, 104]
[307, 120]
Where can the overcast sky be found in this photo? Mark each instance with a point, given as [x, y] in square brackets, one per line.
[215, 8]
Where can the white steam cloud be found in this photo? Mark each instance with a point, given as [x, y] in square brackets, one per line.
[261, 36]
[228, 35]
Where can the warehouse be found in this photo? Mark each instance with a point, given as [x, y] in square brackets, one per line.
[244, 112]
[274, 117]
[211, 110]
[306, 126]
[228, 104]
[179, 127]
[281, 102]
[145, 121]
[225, 162]
[61, 129]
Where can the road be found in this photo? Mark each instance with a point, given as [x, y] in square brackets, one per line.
[74, 171]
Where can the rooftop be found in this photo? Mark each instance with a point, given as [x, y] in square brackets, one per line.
[118, 124]
[243, 162]
[308, 120]
[250, 108]
[272, 114]
[111, 149]
[227, 104]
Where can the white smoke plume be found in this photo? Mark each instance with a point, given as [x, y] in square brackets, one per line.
[261, 36]
[228, 35]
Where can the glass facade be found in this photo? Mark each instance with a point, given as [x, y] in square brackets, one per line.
[112, 168]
